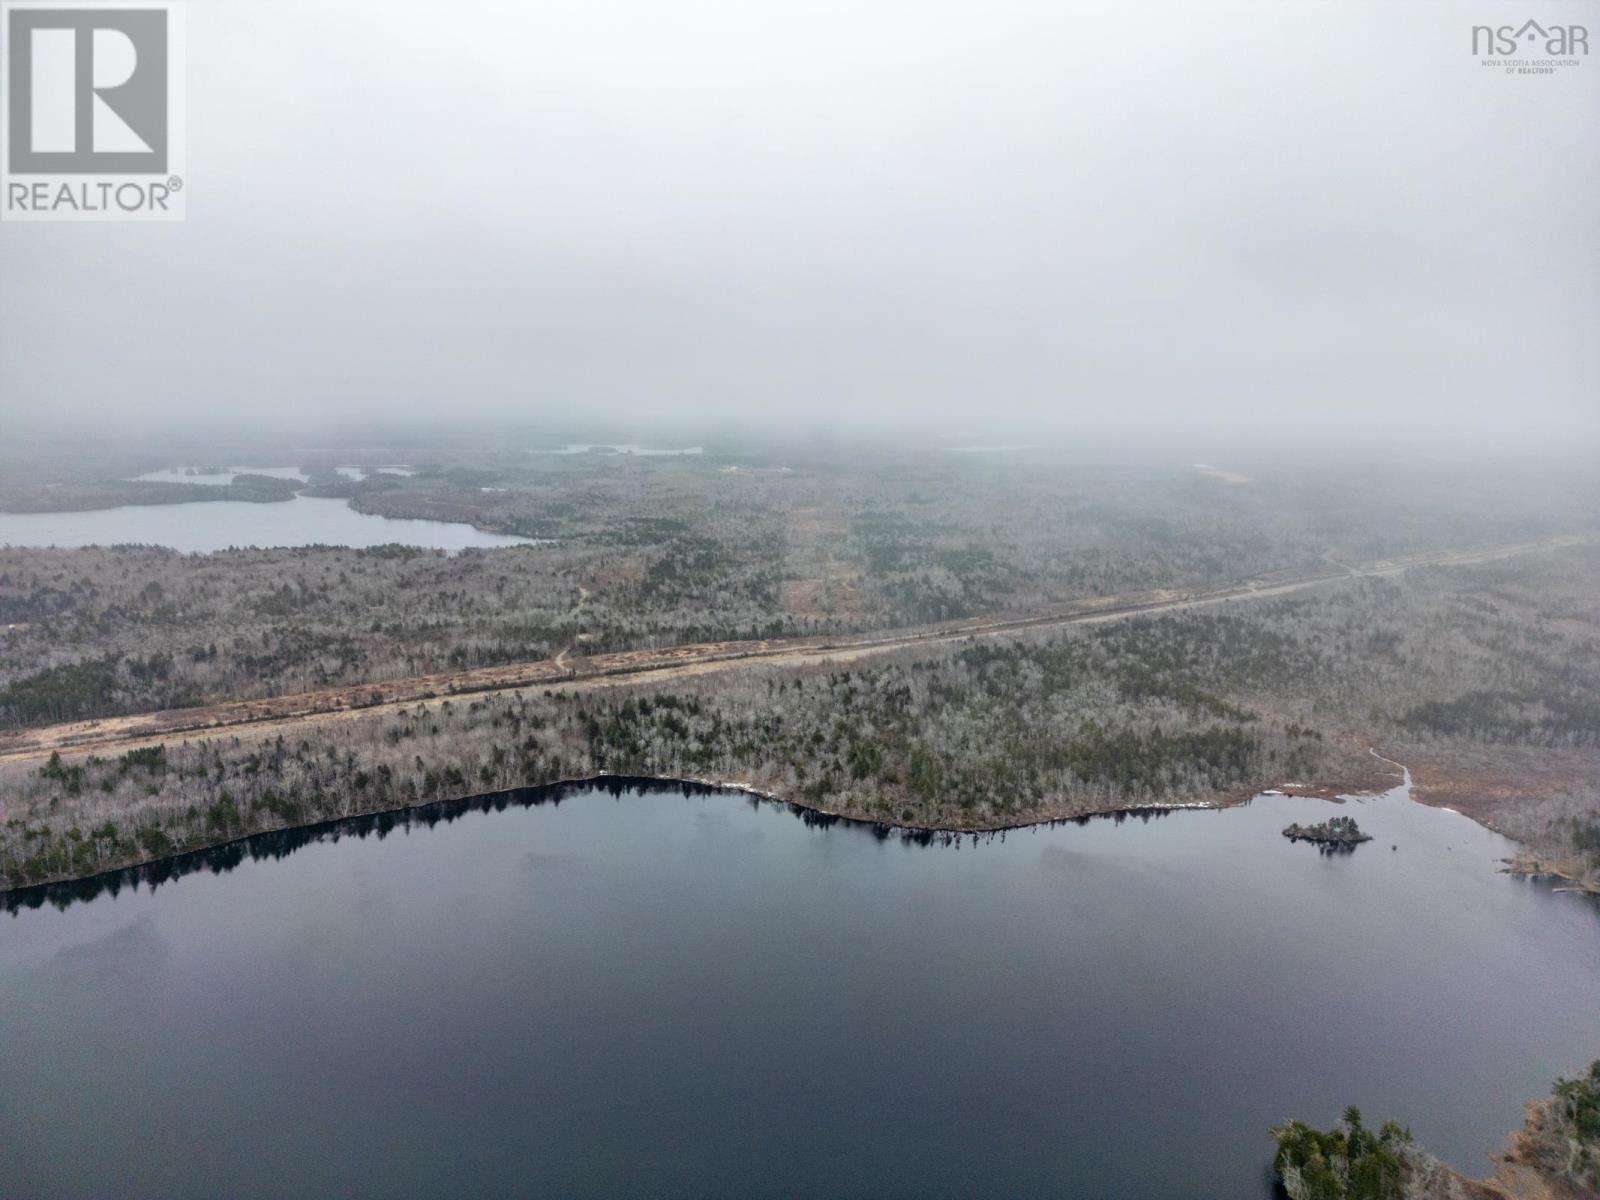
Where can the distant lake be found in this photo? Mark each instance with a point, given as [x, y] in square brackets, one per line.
[207, 525]
[219, 478]
[222, 478]
[654, 993]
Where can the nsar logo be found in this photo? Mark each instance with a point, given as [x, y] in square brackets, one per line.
[91, 111]
[1531, 48]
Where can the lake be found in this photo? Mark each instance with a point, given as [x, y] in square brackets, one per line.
[222, 478]
[652, 992]
[201, 527]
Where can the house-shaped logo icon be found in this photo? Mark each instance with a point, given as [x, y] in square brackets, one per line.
[1531, 38]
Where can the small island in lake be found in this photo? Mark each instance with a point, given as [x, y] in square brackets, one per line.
[1336, 833]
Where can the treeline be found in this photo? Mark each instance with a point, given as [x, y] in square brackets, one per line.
[1347, 1162]
[96, 688]
[1187, 707]
[967, 739]
[1557, 1153]
[114, 493]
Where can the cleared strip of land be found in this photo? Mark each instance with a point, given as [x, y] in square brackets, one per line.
[283, 714]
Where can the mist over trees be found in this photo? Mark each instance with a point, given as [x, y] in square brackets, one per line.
[655, 552]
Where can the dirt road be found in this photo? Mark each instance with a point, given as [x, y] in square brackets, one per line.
[282, 714]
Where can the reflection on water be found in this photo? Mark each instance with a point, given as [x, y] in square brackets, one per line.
[279, 843]
[674, 991]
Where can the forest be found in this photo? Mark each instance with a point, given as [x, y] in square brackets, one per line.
[1559, 1147]
[744, 542]
[1191, 707]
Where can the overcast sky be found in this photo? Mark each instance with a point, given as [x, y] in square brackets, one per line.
[1270, 214]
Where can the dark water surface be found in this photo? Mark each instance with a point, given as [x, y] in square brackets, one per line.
[660, 994]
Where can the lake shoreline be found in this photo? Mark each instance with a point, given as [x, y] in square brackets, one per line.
[15, 896]
[1526, 866]
[568, 874]
[217, 523]
[9, 896]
